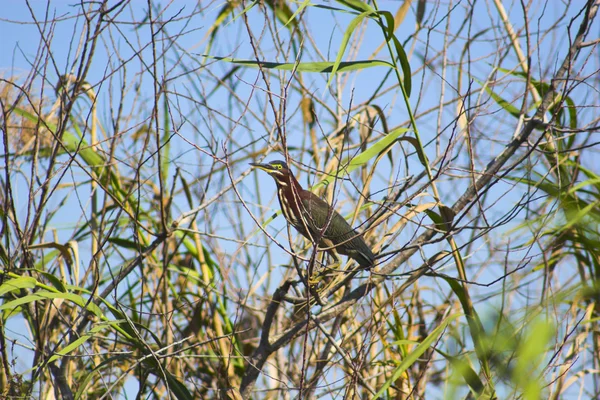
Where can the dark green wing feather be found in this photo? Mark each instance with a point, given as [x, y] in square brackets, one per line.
[348, 242]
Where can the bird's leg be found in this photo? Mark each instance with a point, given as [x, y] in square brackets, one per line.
[321, 267]
[313, 279]
[333, 254]
[328, 270]
[335, 265]
[328, 244]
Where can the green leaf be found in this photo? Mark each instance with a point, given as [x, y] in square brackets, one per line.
[75, 344]
[530, 354]
[321, 67]
[420, 11]
[463, 367]
[44, 295]
[301, 7]
[576, 217]
[125, 243]
[403, 58]
[357, 5]
[373, 151]
[473, 320]
[344, 44]
[283, 12]
[542, 88]
[64, 250]
[178, 388]
[82, 384]
[75, 144]
[443, 221]
[55, 281]
[507, 106]
[24, 282]
[411, 358]
[418, 149]
[166, 139]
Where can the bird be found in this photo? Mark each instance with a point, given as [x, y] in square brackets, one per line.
[314, 218]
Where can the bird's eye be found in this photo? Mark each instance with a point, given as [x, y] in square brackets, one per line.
[279, 166]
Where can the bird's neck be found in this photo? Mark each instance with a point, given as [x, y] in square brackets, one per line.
[294, 184]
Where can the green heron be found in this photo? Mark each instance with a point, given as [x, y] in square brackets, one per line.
[314, 218]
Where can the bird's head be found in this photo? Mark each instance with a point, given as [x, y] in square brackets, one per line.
[277, 169]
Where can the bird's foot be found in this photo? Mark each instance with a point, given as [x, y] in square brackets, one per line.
[315, 279]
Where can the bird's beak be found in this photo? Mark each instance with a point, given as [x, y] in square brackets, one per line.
[264, 167]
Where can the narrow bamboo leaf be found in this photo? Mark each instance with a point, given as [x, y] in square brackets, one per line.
[301, 8]
[3, 254]
[58, 283]
[283, 12]
[64, 249]
[69, 348]
[406, 342]
[443, 221]
[415, 354]
[178, 388]
[74, 246]
[125, 243]
[473, 320]
[357, 5]
[225, 11]
[463, 367]
[24, 282]
[404, 64]
[415, 143]
[76, 144]
[420, 11]
[435, 217]
[388, 32]
[572, 110]
[507, 106]
[187, 191]
[589, 173]
[82, 383]
[321, 67]
[373, 151]
[44, 295]
[165, 152]
[588, 182]
[390, 26]
[468, 374]
[576, 217]
[20, 301]
[530, 355]
[543, 88]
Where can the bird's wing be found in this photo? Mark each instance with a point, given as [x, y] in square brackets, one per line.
[320, 214]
